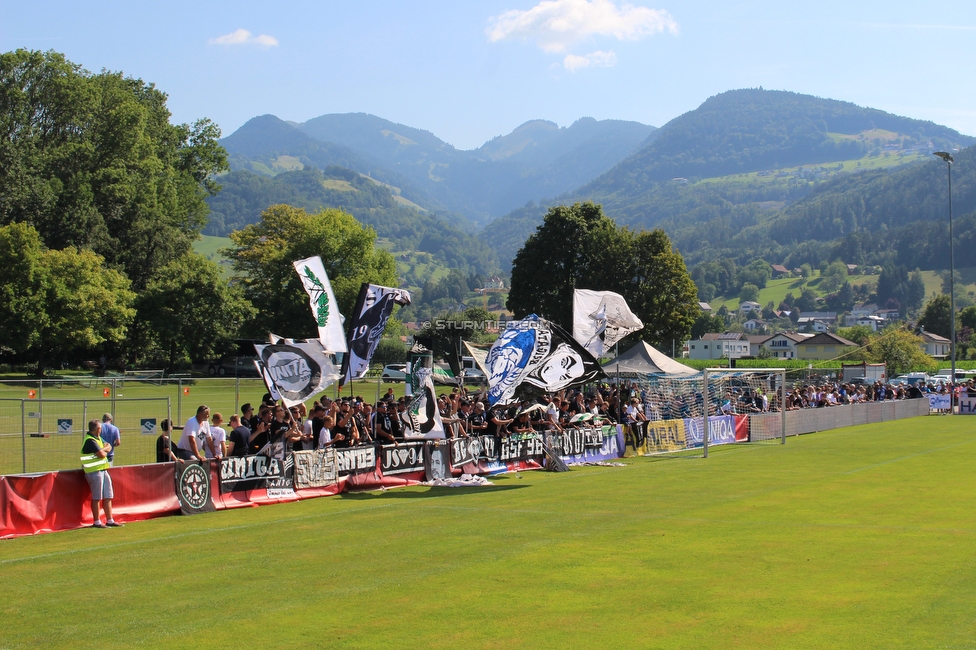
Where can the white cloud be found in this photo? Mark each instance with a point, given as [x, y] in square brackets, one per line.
[557, 25]
[244, 37]
[598, 59]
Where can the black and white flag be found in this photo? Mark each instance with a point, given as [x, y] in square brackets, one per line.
[299, 371]
[323, 303]
[425, 417]
[536, 355]
[601, 319]
[373, 309]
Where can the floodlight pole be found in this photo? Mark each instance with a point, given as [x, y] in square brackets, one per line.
[947, 157]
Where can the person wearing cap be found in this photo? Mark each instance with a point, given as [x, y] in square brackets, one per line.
[478, 420]
[111, 435]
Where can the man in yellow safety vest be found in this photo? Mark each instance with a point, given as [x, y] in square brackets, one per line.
[94, 460]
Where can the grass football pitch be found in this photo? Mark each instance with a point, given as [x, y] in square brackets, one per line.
[856, 538]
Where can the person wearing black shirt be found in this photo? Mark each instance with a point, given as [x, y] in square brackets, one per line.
[165, 447]
[384, 425]
[478, 420]
[239, 437]
[261, 434]
[345, 426]
[498, 422]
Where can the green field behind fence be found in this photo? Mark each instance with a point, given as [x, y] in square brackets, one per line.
[855, 538]
[46, 449]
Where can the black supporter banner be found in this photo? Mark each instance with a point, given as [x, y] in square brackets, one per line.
[521, 449]
[473, 449]
[314, 469]
[355, 460]
[402, 458]
[257, 472]
[193, 487]
[574, 442]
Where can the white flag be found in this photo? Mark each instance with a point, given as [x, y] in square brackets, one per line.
[325, 309]
[299, 371]
[601, 319]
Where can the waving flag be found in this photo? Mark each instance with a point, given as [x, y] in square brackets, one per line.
[373, 309]
[296, 371]
[601, 319]
[325, 309]
[536, 355]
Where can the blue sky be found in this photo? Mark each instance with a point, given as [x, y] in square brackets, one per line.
[468, 71]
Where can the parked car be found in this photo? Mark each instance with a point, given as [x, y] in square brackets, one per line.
[238, 364]
[394, 372]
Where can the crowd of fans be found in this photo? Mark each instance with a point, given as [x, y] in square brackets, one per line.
[274, 429]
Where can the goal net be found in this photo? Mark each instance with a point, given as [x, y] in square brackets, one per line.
[675, 407]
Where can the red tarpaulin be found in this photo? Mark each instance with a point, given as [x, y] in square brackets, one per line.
[41, 503]
[741, 428]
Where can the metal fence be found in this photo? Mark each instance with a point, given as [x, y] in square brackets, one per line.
[30, 410]
[40, 435]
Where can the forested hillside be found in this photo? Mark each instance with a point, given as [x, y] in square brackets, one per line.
[245, 195]
[729, 179]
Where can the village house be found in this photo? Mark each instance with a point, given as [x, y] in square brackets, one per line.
[780, 271]
[824, 346]
[934, 345]
[782, 345]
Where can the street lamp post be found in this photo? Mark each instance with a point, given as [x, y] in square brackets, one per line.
[947, 157]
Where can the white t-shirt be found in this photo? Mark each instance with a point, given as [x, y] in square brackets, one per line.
[325, 437]
[219, 435]
[195, 429]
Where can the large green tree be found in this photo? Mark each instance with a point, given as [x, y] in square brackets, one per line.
[191, 312]
[263, 254]
[58, 301]
[92, 163]
[578, 247]
[936, 316]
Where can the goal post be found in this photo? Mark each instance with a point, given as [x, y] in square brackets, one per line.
[722, 386]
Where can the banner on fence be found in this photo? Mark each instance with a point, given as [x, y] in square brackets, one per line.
[193, 487]
[589, 445]
[438, 461]
[721, 431]
[314, 469]
[257, 472]
[65, 426]
[967, 405]
[355, 460]
[402, 458]
[939, 402]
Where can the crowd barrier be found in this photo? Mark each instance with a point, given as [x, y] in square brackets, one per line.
[55, 501]
[766, 426]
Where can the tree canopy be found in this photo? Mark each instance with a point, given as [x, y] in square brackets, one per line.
[113, 192]
[578, 247]
[263, 254]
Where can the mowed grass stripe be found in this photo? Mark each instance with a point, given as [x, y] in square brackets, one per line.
[858, 538]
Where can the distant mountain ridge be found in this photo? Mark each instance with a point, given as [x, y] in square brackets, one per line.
[481, 184]
[752, 132]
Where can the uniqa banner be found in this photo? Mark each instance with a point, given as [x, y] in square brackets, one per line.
[257, 472]
[402, 458]
[314, 469]
[721, 431]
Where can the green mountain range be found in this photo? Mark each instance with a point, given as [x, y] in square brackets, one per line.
[757, 173]
[750, 173]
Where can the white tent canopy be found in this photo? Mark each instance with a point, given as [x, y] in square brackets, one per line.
[643, 359]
